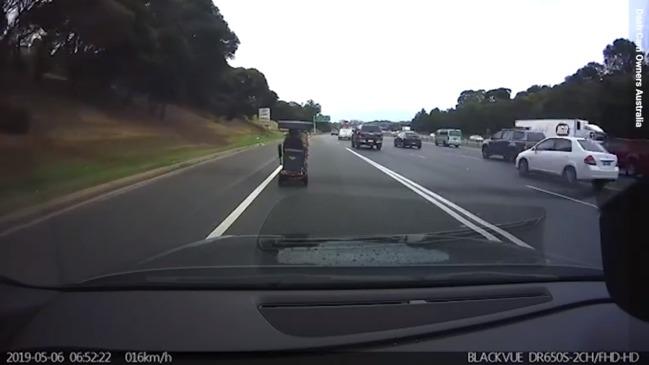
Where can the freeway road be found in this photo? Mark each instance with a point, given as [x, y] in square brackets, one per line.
[350, 193]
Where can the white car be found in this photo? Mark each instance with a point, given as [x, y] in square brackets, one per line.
[573, 158]
[345, 133]
[432, 135]
[476, 138]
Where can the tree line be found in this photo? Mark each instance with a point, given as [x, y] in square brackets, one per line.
[604, 94]
[170, 51]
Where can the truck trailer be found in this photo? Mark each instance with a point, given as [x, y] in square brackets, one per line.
[564, 127]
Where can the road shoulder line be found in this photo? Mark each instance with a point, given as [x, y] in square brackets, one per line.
[232, 217]
[562, 196]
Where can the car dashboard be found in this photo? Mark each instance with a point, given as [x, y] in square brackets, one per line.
[518, 317]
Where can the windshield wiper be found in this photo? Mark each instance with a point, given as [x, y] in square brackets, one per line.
[270, 242]
[285, 241]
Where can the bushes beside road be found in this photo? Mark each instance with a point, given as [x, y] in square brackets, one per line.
[75, 145]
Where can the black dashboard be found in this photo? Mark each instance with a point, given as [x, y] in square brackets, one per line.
[556, 316]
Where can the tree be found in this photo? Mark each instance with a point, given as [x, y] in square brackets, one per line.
[436, 120]
[283, 110]
[536, 88]
[620, 56]
[310, 110]
[323, 126]
[592, 71]
[13, 14]
[470, 96]
[15, 29]
[494, 95]
[245, 91]
[170, 51]
[420, 120]
[3, 16]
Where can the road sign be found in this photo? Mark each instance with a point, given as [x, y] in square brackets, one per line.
[264, 114]
[319, 118]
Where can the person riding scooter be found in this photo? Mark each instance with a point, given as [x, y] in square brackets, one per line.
[293, 140]
[293, 153]
[296, 139]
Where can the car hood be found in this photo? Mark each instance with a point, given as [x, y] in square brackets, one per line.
[389, 250]
[408, 259]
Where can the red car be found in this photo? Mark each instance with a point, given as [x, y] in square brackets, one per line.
[632, 155]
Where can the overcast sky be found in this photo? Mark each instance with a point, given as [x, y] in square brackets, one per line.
[386, 59]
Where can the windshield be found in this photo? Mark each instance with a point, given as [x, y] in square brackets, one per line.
[518, 135]
[139, 135]
[591, 146]
[535, 136]
[597, 136]
[370, 128]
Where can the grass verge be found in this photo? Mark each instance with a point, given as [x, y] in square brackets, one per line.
[53, 173]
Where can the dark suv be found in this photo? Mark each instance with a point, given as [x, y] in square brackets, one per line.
[367, 135]
[508, 143]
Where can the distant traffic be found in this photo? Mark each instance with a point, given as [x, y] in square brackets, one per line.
[573, 149]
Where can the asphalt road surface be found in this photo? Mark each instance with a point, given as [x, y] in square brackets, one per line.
[350, 193]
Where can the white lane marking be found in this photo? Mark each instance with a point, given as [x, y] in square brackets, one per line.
[477, 219]
[119, 191]
[494, 228]
[429, 198]
[416, 155]
[227, 222]
[562, 196]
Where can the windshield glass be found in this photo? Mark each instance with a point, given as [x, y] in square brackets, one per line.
[591, 146]
[176, 134]
[535, 136]
[370, 128]
[597, 136]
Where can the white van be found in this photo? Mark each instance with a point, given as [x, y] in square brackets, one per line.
[448, 137]
[345, 133]
[564, 128]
